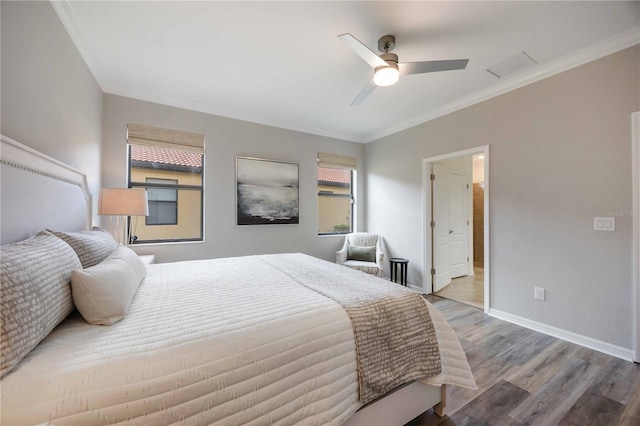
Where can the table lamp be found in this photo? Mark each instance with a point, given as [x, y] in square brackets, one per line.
[122, 202]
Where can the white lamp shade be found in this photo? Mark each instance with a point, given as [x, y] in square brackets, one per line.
[123, 202]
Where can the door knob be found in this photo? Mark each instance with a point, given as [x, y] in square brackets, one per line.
[450, 231]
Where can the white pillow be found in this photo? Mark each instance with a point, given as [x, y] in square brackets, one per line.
[102, 293]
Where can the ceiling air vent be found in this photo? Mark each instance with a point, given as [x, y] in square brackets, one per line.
[512, 65]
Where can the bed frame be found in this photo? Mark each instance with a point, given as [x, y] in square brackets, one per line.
[401, 405]
[39, 192]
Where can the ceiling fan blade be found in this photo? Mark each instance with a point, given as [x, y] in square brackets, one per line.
[363, 51]
[364, 93]
[407, 68]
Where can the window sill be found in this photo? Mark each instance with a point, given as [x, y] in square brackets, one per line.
[166, 243]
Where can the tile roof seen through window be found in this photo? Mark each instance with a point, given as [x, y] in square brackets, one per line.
[334, 175]
[166, 156]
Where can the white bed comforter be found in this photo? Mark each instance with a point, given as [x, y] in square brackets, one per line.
[232, 341]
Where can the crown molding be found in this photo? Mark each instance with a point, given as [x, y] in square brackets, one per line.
[583, 56]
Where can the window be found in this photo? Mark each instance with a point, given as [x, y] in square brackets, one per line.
[169, 165]
[163, 202]
[336, 200]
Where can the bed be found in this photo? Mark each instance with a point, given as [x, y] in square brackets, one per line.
[271, 339]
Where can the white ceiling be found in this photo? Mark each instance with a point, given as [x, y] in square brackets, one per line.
[282, 64]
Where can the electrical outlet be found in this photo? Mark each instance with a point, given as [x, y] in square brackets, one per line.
[538, 293]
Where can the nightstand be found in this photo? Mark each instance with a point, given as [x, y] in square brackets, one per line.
[148, 259]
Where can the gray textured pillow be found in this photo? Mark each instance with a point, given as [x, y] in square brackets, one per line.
[364, 254]
[92, 247]
[35, 293]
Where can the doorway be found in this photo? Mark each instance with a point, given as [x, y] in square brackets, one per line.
[455, 188]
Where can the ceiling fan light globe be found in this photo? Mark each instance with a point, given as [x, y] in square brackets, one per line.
[386, 76]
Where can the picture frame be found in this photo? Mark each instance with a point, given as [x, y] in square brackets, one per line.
[267, 192]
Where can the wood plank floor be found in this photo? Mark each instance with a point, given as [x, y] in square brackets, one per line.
[528, 378]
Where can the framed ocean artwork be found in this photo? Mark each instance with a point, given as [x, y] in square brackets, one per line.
[266, 192]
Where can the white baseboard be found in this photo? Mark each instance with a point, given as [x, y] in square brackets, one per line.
[578, 339]
[416, 288]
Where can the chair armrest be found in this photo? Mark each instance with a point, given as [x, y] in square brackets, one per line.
[379, 253]
[341, 256]
[380, 263]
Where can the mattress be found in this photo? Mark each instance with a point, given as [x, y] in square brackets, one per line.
[228, 341]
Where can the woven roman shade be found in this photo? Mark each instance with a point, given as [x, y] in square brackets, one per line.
[138, 134]
[336, 161]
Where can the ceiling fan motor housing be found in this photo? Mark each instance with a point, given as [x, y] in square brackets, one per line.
[385, 45]
[390, 57]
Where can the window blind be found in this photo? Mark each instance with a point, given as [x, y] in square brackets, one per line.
[337, 161]
[163, 138]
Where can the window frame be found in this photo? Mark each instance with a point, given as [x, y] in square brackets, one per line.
[351, 195]
[177, 187]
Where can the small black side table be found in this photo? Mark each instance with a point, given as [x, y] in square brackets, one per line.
[395, 261]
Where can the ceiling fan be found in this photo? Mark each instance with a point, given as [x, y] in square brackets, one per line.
[386, 66]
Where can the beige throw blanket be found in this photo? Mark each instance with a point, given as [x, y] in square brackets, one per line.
[395, 338]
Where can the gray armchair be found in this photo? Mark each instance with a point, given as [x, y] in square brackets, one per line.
[362, 239]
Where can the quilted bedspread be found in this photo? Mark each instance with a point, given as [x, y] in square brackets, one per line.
[229, 341]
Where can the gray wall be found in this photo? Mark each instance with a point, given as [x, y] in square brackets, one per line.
[559, 155]
[226, 138]
[50, 100]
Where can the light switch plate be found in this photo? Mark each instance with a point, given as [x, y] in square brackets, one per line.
[607, 223]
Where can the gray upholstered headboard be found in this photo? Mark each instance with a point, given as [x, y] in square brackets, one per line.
[39, 192]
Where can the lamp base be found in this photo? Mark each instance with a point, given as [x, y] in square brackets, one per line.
[117, 229]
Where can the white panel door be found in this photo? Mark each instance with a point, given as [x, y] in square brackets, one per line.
[458, 227]
[441, 236]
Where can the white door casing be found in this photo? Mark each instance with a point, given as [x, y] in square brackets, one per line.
[458, 224]
[427, 201]
[441, 237]
[635, 150]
